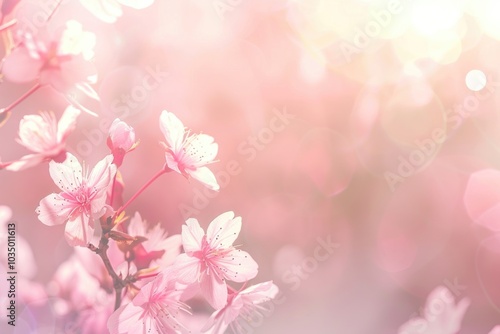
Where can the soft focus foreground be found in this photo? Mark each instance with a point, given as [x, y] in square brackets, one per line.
[264, 166]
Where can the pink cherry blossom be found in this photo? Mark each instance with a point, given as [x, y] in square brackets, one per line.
[211, 259]
[82, 200]
[61, 59]
[157, 250]
[440, 316]
[241, 304]
[187, 153]
[155, 309]
[81, 290]
[109, 10]
[44, 136]
[121, 140]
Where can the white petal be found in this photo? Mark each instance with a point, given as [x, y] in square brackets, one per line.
[192, 235]
[205, 176]
[173, 130]
[68, 174]
[67, 123]
[223, 230]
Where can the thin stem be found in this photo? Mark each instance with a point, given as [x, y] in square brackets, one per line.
[8, 25]
[157, 175]
[21, 99]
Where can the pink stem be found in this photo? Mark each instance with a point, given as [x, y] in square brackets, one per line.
[157, 175]
[21, 99]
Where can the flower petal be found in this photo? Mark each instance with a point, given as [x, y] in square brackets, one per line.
[192, 235]
[78, 230]
[54, 210]
[173, 129]
[187, 268]
[20, 67]
[238, 266]
[25, 162]
[67, 175]
[125, 319]
[67, 123]
[223, 230]
[214, 290]
[205, 176]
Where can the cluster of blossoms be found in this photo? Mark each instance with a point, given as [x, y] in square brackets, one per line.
[125, 275]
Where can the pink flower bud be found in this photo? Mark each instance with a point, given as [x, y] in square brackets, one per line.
[121, 139]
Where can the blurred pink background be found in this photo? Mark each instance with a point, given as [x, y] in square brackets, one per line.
[326, 115]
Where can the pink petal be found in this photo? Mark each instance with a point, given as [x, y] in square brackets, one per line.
[25, 162]
[205, 176]
[78, 231]
[192, 235]
[172, 162]
[173, 129]
[216, 323]
[124, 319]
[20, 67]
[54, 210]
[260, 293]
[67, 175]
[214, 290]
[223, 230]
[187, 268]
[482, 198]
[136, 226]
[67, 123]
[238, 266]
[102, 174]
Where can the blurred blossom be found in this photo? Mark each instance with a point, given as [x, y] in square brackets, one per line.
[158, 250]
[61, 59]
[109, 10]
[241, 307]
[45, 136]
[155, 309]
[441, 315]
[81, 297]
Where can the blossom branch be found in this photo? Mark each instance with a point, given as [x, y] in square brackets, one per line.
[21, 99]
[164, 170]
